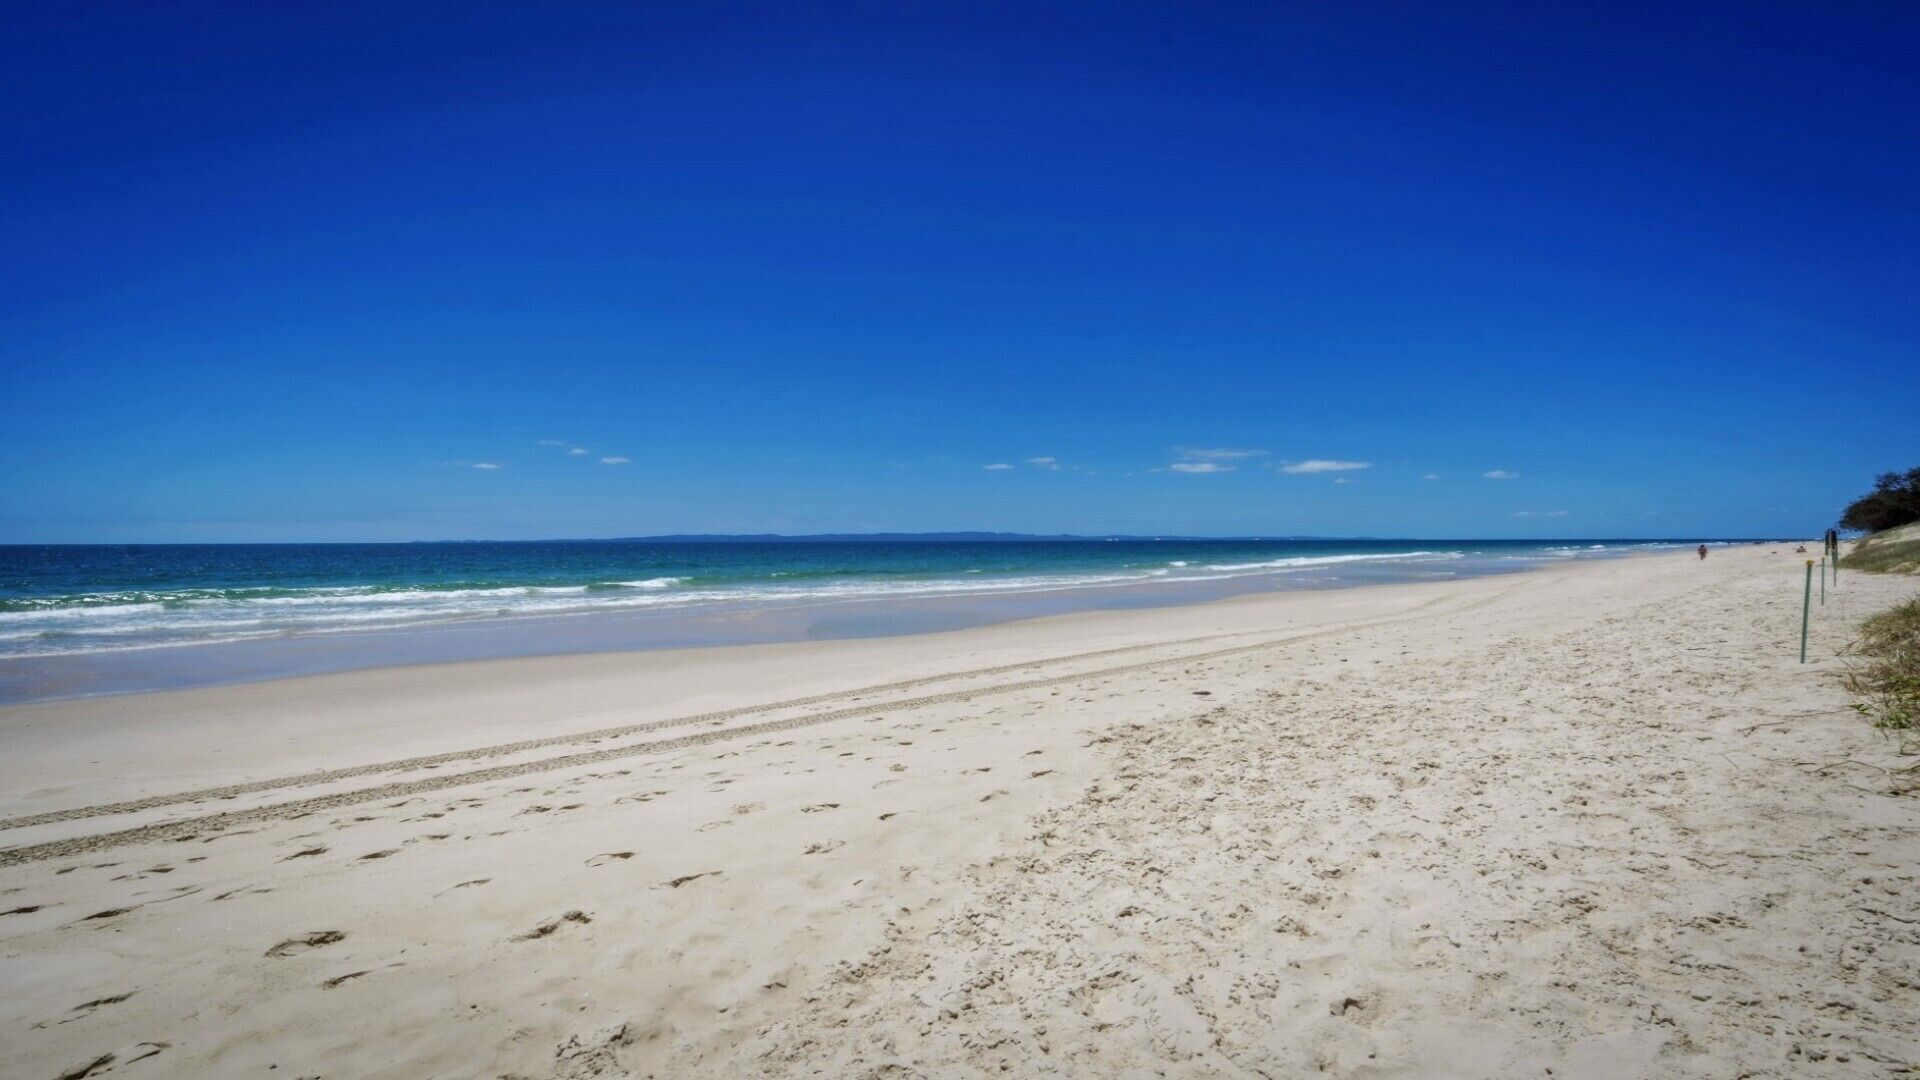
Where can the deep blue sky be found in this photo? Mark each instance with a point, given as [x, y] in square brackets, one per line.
[293, 271]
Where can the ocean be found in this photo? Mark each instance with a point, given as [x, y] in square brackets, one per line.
[66, 609]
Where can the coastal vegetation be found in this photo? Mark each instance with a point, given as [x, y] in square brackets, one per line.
[1886, 678]
[1893, 502]
[1895, 551]
[1890, 515]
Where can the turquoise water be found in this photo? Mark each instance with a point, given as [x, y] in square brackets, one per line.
[65, 600]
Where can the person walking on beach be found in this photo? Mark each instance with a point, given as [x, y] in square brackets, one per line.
[1703, 551]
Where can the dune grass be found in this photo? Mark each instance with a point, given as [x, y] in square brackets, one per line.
[1892, 551]
[1886, 675]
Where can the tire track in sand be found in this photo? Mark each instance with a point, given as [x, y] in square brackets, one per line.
[429, 761]
[189, 828]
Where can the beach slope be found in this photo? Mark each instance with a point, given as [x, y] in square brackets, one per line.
[1594, 819]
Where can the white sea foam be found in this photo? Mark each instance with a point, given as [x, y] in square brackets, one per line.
[182, 617]
[1332, 560]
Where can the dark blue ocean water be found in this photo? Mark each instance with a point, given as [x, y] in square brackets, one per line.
[63, 600]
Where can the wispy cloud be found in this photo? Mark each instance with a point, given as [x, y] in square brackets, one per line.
[616, 461]
[1431, 476]
[1044, 462]
[1500, 474]
[1323, 465]
[487, 466]
[1218, 453]
[1539, 513]
[551, 442]
[578, 451]
[1343, 479]
[1201, 460]
[997, 466]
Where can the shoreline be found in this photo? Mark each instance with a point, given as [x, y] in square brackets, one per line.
[427, 708]
[100, 673]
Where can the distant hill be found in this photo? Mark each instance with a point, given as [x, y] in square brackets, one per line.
[935, 537]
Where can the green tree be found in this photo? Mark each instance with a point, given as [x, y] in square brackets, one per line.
[1894, 501]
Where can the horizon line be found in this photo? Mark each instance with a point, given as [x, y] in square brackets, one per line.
[930, 536]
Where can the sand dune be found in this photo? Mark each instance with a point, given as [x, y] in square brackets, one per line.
[1594, 819]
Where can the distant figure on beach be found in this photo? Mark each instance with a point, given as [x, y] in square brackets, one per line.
[1703, 551]
[1801, 550]
[1833, 543]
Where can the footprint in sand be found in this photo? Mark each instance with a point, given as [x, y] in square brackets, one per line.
[546, 928]
[742, 809]
[381, 854]
[136, 876]
[824, 846]
[86, 1008]
[462, 885]
[317, 939]
[611, 856]
[105, 1062]
[305, 853]
[820, 808]
[685, 878]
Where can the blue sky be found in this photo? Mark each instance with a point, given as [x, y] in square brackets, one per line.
[279, 272]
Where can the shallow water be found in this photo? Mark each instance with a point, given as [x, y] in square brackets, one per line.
[77, 620]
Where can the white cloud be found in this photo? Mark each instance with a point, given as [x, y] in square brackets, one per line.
[1210, 459]
[996, 466]
[1320, 465]
[1343, 479]
[1500, 474]
[1223, 453]
[1044, 462]
[487, 466]
[1539, 513]
[551, 442]
[616, 461]
[1431, 476]
[578, 451]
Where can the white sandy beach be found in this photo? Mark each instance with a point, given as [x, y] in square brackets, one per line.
[1594, 820]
